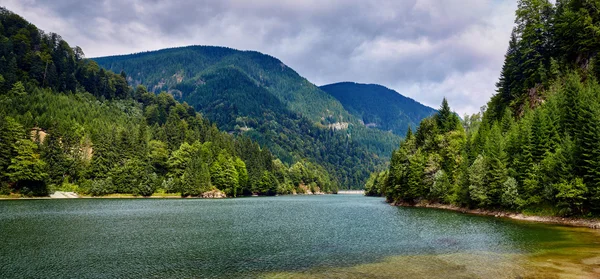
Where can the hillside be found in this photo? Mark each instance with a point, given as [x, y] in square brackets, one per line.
[256, 95]
[67, 124]
[379, 107]
[535, 149]
[181, 70]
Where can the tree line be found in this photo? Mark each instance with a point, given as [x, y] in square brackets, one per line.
[535, 148]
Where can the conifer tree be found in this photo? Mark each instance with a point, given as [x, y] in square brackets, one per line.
[496, 161]
[27, 170]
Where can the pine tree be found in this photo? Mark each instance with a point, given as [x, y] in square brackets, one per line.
[196, 178]
[589, 149]
[57, 161]
[478, 191]
[496, 161]
[10, 132]
[27, 170]
[243, 182]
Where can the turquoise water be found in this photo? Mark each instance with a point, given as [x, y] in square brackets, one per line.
[245, 237]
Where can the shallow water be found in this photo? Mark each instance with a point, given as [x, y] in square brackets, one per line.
[283, 237]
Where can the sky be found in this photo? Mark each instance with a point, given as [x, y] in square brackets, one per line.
[424, 49]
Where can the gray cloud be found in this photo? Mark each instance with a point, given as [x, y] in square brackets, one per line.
[425, 49]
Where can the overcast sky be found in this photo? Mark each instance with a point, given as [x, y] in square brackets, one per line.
[424, 49]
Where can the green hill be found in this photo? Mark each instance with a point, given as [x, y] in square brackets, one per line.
[256, 95]
[378, 106]
[67, 124]
[185, 68]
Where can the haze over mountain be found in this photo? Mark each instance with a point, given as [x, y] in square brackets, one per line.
[379, 107]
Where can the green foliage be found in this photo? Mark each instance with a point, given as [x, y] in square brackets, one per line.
[65, 122]
[257, 96]
[380, 107]
[441, 187]
[376, 185]
[571, 196]
[536, 145]
[225, 175]
[510, 193]
[478, 185]
[27, 170]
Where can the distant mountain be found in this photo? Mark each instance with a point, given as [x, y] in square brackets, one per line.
[379, 107]
[250, 93]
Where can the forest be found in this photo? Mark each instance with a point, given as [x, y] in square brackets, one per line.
[255, 95]
[67, 124]
[379, 107]
[534, 148]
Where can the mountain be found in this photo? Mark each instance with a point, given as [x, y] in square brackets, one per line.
[67, 124]
[181, 70]
[256, 95]
[378, 106]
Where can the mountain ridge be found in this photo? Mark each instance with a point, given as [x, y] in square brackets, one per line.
[378, 106]
[255, 94]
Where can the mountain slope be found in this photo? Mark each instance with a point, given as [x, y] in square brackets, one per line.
[253, 94]
[67, 124]
[379, 107]
[184, 68]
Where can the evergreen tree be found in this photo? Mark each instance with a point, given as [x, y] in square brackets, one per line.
[27, 170]
[496, 159]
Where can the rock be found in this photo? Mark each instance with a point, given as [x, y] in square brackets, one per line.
[214, 194]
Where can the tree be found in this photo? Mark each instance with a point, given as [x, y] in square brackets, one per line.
[27, 170]
[147, 185]
[196, 178]
[17, 90]
[242, 172]
[445, 118]
[496, 160]
[224, 175]
[158, 156]
[571, 196]
[510, 193]
[441, 187]
[10, 133]
[477, 182]
[267, 185]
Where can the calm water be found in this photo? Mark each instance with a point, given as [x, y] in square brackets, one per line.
[246, 237]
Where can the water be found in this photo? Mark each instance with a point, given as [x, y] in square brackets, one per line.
[289, 236]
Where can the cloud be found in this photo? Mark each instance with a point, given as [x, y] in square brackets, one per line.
[425, 49]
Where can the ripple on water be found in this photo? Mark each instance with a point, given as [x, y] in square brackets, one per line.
[345, 235]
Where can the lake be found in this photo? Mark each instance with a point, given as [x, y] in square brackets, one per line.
[328, 236]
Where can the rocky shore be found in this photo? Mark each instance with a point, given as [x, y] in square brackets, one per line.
[567, 221]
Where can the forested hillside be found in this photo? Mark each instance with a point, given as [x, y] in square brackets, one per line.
[255, 95]
[67, 124]
[536, 147]
[379, 107]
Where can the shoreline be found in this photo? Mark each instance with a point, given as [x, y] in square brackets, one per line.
[131, 196]
[592, 223]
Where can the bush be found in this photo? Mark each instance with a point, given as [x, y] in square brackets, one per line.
[101, 187]
[571, 196]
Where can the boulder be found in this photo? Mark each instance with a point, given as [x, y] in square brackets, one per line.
[214, 194]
